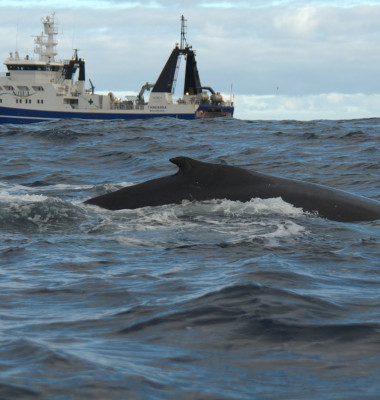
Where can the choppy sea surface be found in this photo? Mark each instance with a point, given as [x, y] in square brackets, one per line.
[211, 300]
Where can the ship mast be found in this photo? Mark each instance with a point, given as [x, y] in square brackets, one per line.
[183, 33]
[46, 42]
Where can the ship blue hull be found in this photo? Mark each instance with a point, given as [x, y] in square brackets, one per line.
[10, 115]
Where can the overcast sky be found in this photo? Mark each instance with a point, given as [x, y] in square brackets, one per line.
[285, 59]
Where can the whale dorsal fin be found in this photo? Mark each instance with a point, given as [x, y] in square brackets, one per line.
[185, 164]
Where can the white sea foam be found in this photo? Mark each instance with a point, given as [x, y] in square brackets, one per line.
[65, 186]
[16, 195]
[209, 222]
[257, 206]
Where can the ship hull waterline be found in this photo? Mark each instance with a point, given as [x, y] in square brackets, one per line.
[9, 115]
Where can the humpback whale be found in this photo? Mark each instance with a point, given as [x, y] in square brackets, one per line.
[197, 181]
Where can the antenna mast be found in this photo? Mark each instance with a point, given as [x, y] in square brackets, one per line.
[183, 33]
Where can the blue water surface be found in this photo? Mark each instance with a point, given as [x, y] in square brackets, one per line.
[209, 300]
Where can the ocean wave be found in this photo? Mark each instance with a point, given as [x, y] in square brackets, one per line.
[37, 213]
[252, 312]
[14, 391]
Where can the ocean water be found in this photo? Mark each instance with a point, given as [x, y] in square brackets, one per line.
[212, 300]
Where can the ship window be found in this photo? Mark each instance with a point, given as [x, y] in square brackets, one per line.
[38, 88]
[1, 88]
[42, 102]
[1, 100]
[28, 67]
[7, 87]
[71, 101]
[23, 88]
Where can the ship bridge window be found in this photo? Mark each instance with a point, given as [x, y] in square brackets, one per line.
[38, 88]
[8, 87]
[28, 67]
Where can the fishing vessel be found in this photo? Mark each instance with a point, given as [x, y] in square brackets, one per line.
[44, 88]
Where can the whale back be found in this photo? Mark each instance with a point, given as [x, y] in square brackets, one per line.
[212, 177]
[198, 180]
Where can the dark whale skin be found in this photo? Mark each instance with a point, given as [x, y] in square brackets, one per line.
[197, 181]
